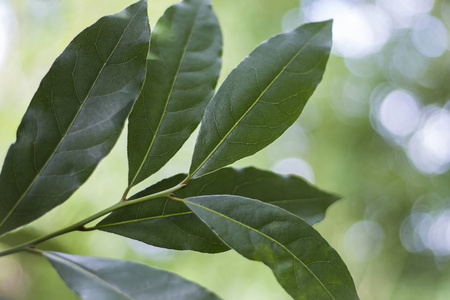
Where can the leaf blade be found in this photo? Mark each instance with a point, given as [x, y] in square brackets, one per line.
[302, 261]
[75, 117]
[170, 224]
[263, 96]
[185, 55]
[103, 278]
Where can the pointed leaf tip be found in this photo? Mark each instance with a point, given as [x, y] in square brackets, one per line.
[75, 117]
[183, 68]
[262, 97]
[302, 261]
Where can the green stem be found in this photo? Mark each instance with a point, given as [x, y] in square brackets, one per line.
[125, 194]
[79, 226]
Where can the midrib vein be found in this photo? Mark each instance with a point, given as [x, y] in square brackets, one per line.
[144, 219]
[70, 126]
[169, 96]
[172, 215]
[88, 273]
[253, 104]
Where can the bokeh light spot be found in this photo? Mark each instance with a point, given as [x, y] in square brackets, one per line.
[294, 166]
[8, 24]
[412, 229]
[404, 11]
[364, 240]
[429, 148]
[399, 113]
[358, 30]
[402, 59]
[422, 232]
[437, 238]
[430, 37]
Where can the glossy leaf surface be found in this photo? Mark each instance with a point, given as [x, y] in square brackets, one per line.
[302, 261]
[262, 97]
[183, 68]
[95, 278]
[75, 117]
[170, 224]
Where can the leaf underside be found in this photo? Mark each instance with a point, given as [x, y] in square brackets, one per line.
[262, 97]
[166, 223]
[182, 71]
[75, 117]
[302, 261]
[95, 278]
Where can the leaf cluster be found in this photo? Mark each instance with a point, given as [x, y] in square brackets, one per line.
[164, 84]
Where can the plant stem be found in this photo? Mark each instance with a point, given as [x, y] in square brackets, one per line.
[76, 226]
[79, 226]
[125, 194]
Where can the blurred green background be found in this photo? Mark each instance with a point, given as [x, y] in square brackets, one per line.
[376, 132]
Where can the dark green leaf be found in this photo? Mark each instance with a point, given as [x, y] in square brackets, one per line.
[302, 261]
[164, 223]
[290, 192]
[75, 117]
[183, 68]
[104, 278]
[262, 97]
[169, 224]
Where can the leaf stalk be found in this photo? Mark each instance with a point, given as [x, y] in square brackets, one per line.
[80, 226]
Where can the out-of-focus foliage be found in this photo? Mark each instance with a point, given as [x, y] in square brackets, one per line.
[377, 131]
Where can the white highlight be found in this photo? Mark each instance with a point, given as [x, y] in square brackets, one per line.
[429, 36]
[427, 231]
[364, 240]
[8, 24]
[403, 12]
[294, 166]
[400, 113]
[429, 148]
[358, 30]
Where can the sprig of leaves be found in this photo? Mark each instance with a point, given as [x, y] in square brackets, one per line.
[171, 224]
[165, 84]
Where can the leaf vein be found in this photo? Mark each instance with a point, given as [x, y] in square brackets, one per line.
[89, 274]
[254, 103]
[264, 235]
[167, 100]
[69, 127]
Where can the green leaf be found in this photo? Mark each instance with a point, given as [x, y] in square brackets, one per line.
[290, 192]
[262, 97]
[302, 261]
[75, 117]
[104, 278]
[182, 71]
[163, 222]
[170, 224]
